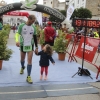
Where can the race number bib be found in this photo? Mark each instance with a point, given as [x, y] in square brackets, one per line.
[27, 48]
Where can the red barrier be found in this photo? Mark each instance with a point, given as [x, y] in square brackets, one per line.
[71, 56]
[69, 36]
[91, 46]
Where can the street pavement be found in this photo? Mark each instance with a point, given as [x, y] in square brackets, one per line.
[84, 96]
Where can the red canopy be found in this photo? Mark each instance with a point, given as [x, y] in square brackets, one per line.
[17, 13]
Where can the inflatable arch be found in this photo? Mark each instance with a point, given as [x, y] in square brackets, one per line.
[35, 7]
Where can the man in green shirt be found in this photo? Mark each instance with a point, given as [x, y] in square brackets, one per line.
[25, 39]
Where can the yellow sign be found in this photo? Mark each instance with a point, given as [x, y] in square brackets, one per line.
[46, 15]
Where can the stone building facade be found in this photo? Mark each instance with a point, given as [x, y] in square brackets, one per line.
[94, 7]
[55, 4]
[2, 3]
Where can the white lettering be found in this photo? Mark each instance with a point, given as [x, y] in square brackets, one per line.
[58, 15]
[15, 13]
[6, 8]
[11, 6]
[87, 47]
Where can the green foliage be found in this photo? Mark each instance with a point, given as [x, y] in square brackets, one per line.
[6, 26]
[60, 43]
[42, 40]
[5, 53]
[38, 30]
[63, 12]
[75, 14]
[71, 31]
[59, 32]
[81, 13]
[6, 29]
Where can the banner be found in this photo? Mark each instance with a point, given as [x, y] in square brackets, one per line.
[70, 11]
[17, 13]
[91, 46]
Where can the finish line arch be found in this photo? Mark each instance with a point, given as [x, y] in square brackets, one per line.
[40, 8]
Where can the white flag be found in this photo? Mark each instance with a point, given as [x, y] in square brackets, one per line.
[70, 11]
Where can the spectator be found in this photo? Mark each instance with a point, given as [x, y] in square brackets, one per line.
[49, 34]
[14, 28]
[65, 29]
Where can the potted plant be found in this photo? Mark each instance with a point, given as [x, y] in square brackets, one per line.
[38, 30]
[42, 40]
[6, 29]
[5, 53]
[60, 45]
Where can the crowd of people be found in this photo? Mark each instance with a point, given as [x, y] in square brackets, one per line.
[91, 32]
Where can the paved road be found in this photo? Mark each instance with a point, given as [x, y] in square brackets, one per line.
[84, 96]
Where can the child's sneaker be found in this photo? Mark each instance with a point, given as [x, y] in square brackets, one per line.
[29, 80]
[22, 70]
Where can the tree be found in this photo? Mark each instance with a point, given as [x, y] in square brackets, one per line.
[81, 13]
[63, 12]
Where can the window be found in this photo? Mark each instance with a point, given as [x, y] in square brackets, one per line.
[44, 2]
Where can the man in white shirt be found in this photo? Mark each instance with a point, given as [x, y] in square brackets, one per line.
[25, 39]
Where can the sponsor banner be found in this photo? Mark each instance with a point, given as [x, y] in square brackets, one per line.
[91, 46]
[70, 11]
[17, 13]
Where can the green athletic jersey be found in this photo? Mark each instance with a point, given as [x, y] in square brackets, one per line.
[26, 34]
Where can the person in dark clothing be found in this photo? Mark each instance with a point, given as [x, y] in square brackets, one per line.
[45, 56]
[14, 28]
